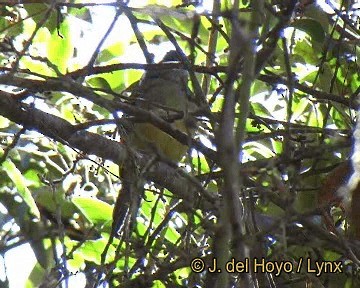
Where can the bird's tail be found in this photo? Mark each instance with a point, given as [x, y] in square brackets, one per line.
[128, 201]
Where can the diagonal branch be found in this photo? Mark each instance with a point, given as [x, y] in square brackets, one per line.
[61, 130]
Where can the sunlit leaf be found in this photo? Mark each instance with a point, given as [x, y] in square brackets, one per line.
[96, 211]
[20, 182]
[90, 250]
[99, 82]
[81, 13]
[111, 52]
[60, 47]
[4, 122]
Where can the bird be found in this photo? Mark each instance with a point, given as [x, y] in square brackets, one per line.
[162, 92]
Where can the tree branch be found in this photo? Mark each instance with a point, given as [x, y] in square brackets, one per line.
[61, 130]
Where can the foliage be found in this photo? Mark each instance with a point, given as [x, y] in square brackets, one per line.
[277, 85]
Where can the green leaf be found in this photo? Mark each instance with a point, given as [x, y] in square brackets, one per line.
[60, 48]
[256, 148]
[312, 27]
[52, 201]
[91, 250]
[4, 122]
[32, 178]
[81, 13]
[158, 284]
[20, 182]
[301, 108]
[96, 211]
[111, 52]
[114, 81]
[147, 207]
[171, 234]
[76, 263]
[182, 274]
[201, 162]
[37, 13]
[260, 110]
[9, 29]
[32, 65]
[99, 82]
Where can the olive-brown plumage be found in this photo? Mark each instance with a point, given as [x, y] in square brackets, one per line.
[164, 93]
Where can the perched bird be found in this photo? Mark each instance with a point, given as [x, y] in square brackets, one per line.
[164, 93]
